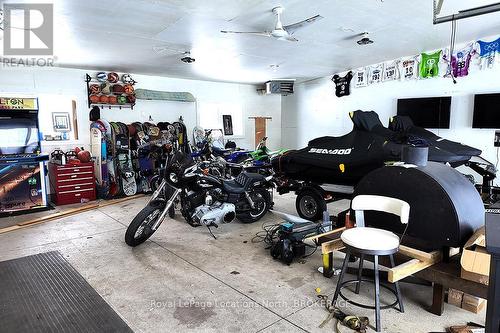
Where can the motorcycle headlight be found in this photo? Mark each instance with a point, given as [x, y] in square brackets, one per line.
[173, 178]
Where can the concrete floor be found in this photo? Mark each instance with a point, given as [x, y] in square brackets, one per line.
[184, 280]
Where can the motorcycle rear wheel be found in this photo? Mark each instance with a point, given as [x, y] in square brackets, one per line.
[139, 229]
[262, 200]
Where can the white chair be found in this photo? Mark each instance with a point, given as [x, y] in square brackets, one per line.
[364, 241]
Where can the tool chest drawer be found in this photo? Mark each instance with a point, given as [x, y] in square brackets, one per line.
[72, 183]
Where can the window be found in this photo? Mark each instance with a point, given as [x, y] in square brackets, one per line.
[210, 116]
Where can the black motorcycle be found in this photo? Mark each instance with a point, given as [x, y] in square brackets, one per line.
[204, 199]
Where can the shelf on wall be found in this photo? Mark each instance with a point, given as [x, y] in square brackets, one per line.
[88, 80]
[114, 106]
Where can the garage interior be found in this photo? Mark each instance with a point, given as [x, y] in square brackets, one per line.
[249, 166]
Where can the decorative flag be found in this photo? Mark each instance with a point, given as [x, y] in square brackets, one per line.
[375, 74]
[460, 61]
[391, 71]
[429, 64]
[361, 77]
[487, 52]
[409, 68]
[342, 84]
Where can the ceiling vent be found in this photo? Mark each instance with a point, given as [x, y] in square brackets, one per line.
[282, 87]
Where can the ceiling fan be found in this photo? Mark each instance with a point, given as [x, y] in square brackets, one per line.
[280, 31]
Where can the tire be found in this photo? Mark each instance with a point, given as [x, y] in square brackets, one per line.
[140, 220]
[264, 198]
[310, 205]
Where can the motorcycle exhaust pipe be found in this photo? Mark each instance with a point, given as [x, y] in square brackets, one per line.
[170, 202]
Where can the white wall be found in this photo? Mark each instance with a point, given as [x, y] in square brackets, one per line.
[57, 87]
[314, 110]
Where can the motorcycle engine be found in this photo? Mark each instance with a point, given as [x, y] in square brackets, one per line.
[215, 213]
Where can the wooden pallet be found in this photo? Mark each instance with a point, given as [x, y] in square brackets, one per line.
[419, 260]
[69, 212]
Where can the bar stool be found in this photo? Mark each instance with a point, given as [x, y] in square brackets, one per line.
[363, 241]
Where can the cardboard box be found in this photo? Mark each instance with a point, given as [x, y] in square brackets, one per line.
[475, 260]
[473, 303]
[455, 297]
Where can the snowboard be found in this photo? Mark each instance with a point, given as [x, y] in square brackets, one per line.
[114, 188]
[124, 160]
[140, 158]
[98, 148]
[182, 137]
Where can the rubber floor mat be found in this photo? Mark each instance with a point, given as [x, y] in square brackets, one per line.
[44, 293]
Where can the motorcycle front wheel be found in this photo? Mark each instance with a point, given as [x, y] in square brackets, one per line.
[262, 201]
[139, 229]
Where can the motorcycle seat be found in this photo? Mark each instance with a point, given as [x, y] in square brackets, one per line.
[241, 183]
[232, 186]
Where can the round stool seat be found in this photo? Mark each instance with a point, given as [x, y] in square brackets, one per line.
[371, 240]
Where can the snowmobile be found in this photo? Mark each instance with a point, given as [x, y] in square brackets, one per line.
[329, 168]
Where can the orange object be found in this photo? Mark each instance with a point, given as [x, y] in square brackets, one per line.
[112, 99]
[94, 99]
[104, 99]
[129, 89]
[348, 222]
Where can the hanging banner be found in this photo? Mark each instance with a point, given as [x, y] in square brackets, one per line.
[13, 103]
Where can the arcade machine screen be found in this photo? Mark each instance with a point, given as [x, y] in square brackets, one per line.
[19, 136]
[22, 176]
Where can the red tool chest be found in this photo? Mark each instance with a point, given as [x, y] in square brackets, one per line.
[72, 183]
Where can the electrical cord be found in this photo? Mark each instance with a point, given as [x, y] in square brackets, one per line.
[313, 251]
[267, 234]
[452, 46]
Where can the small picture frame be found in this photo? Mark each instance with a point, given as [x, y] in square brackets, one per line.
[61, 121]
[228, 124]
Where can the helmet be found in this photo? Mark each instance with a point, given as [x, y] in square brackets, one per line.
[118, 89]
[113, 77]
[131, 99]
[106, 88]
[129, 89]
[112, 99]
[103, 99]
[126, 78]
[99, 126]
[101, 77]
[121, 99]
[95, 89]
[94, 99]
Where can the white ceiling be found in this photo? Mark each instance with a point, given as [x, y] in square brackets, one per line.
[121, 34]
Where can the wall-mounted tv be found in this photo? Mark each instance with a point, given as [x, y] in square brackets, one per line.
[429, 112]
[486, 111]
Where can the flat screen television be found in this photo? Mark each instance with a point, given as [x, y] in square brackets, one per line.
[429, 112]
[19, 133]
[486, 111]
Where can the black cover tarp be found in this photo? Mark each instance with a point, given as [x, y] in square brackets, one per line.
[404, 126]
[346, 159]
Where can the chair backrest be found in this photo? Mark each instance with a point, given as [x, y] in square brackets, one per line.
[380, 203]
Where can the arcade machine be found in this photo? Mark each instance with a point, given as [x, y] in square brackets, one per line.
[22, 171]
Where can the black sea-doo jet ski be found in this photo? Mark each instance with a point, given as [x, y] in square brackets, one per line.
[346, 159]
[332, 168]
[404, 127]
